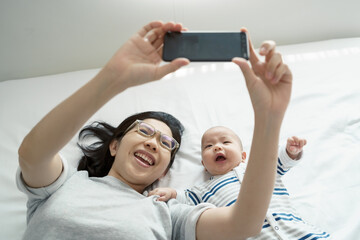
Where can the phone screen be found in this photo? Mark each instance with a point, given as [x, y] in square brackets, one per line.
[205, 46]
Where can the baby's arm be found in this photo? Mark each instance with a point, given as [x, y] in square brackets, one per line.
[294, 147]
[165, 193]
[289, 155]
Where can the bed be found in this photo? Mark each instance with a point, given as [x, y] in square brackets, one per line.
[324, 109]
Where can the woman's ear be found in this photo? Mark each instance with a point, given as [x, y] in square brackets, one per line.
[113, 147]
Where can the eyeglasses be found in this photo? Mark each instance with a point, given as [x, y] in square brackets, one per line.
[148, 130]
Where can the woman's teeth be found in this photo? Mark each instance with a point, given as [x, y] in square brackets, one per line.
[145, 158]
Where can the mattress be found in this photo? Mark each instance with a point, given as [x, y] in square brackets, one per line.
[324, 109]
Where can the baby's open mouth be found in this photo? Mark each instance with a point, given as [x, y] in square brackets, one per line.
[220, 158]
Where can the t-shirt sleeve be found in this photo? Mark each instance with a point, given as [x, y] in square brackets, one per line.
[185, 217]
[36, 196]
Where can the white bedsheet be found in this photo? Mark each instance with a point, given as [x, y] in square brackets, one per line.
[325, 109]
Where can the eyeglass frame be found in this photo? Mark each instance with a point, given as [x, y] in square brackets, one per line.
[137, 123]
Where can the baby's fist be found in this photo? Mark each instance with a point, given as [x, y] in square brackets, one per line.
[294, 146]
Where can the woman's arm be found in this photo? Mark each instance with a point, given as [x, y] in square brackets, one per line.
[136, 62]
[269, 85]
[38, 154]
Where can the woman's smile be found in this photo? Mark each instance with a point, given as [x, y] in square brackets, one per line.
[144, 159]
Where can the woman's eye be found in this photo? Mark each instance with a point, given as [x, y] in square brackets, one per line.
[166, 144]
[147, 131]
[144, 131]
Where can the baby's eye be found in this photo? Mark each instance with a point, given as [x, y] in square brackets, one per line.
[207, 146]
[226, 142]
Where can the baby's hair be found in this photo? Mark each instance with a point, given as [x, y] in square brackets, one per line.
[237, 136]
[240, 142]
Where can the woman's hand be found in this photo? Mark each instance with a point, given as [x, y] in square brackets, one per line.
[269, 82]
[138, 60]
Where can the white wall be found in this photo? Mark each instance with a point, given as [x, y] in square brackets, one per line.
[40, 37]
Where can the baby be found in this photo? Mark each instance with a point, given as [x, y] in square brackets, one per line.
[224, 159]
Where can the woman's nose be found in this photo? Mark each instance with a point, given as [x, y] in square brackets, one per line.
[152, 143]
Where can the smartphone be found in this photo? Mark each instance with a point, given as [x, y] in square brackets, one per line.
[205, 46]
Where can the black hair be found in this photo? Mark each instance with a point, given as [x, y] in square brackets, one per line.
[97, 159]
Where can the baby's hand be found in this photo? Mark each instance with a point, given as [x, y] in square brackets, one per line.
[165, 193]
[294, 146]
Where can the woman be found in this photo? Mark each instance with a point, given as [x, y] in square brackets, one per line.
[69, 204]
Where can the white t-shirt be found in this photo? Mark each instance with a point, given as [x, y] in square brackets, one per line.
[76, 206]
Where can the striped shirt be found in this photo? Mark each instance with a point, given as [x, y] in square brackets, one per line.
[282, 221]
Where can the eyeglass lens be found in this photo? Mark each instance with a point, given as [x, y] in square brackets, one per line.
[165, 140]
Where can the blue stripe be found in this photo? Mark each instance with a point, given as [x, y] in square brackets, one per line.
[285, 219]
[326, 236]
[287, 215]
[320, 235]
[228, 179]
[215, 190]
[193, 197]
[282, 170]
[217, 185]
[281, 193]
[279, 162]
[280, 173]
[266, 226]
[230, 203]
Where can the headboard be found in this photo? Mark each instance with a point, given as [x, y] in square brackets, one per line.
[42, 37]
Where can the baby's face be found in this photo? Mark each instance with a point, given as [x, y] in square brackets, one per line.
[221, 150]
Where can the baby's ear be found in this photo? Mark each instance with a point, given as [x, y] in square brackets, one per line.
[243, 157]
[202, 162]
